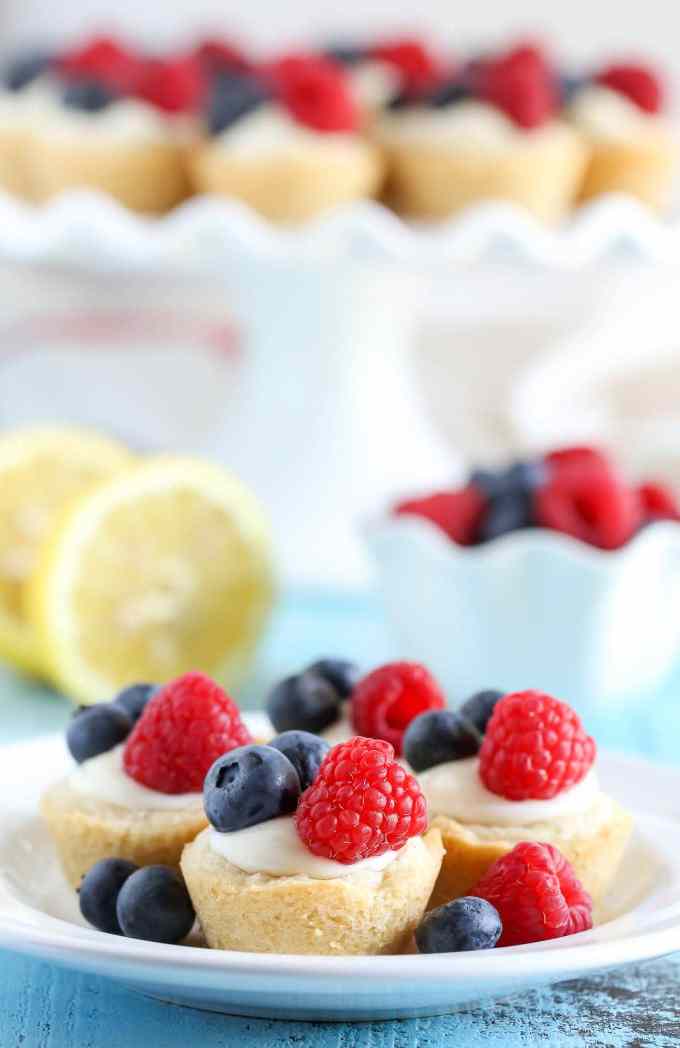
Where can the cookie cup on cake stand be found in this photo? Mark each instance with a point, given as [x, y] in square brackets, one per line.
[443, 160]
[632, 150]
[368, 910]
[126, 149]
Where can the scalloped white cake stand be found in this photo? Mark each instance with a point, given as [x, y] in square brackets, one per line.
[321, 414]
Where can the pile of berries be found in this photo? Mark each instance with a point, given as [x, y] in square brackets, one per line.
[380, 705]
[528, 895]
[577, 491]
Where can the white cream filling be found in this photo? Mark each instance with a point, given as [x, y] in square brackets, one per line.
[273, 847]
[270, 130]
[373, 84]
[30, 106]
[470, 123]
[601, 113]
[127, 121]
[456, 790]
[103, 778]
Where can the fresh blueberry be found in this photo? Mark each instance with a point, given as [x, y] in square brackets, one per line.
[478, 708]
[402, 100]
[346, 54]
[96, 730]
[522, 476]
[304, 751]
[341, 674]
[232, 98]
[248, 785]
[134, 699]
[449, 94]
[23, 70]
[88, 95]
[305, 701]
[506, 513]
[467, 923]
[439, 736]
[154, 904]
[99, 890]
[569, 87]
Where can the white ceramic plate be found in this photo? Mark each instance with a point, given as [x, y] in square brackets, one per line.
[39, 916]
[86, 229]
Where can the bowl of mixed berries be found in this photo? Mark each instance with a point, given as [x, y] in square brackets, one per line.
[558, 568]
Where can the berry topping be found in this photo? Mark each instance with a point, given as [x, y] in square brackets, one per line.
[134, 698]
[87, 95]
[386, 701]
[316, 93]
[362, 803]
[658, 502]
[521, 84]
[519, 478]
[174, 85]
[577, 459]
[450, 93]
[304, 751]
[419, 69]
[569, 87]
[234, 97]
[536, 893]
[457, 513]
[346, 54]
[437, 737]
[341, 674]
[534, 748]
[105, 61]
[96, 729]
[26, 68]
[154, 904]
[467, 923]
[221, 56]
[305, 701]
[506, 513]
[250, 785]
[98, 893]
[184, 728]
[591, 504]
[638, 83]
[478, 708]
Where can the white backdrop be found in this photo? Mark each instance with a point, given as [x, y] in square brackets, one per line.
[582, 29]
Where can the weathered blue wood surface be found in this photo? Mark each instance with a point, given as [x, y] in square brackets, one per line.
[637, 1007]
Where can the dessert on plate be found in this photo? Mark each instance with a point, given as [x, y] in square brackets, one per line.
[330, 697]
[514, 768]
[27, 97]
[490, 130]
[619, 110]
[119, 123]
[285, 140]
[141, 759]
[312, 854]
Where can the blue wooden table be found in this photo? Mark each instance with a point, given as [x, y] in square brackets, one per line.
[636, 1007]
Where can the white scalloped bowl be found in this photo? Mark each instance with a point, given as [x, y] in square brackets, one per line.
[533, 609]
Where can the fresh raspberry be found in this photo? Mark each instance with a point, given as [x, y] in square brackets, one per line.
[658, 502]
[522, 84]
[458, 513]
[105, 61]
[361, 803]
[591, 504]
[385, 702]
[221, 56]
[184, 728]
[577, 459]
[418, 67]
[534, 748]
[636, 82]
[316, 92]
[174, 85]
[537, 894]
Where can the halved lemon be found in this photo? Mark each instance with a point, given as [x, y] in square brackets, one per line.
[163, 570]
[41, 472]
